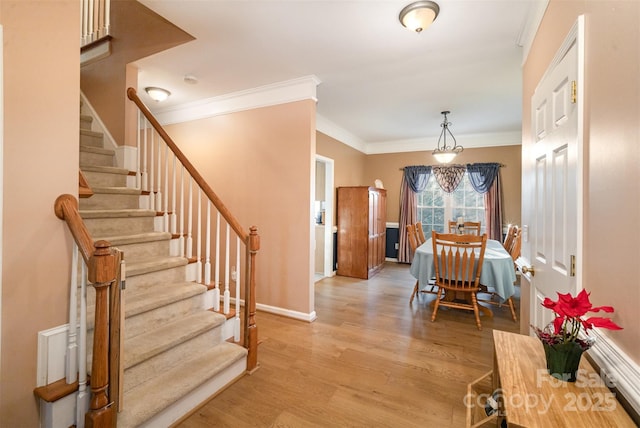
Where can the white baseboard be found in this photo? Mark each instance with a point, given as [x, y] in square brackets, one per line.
[310, 317]
[620, 369]
[52, 348]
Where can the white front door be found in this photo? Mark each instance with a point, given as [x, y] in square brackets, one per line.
[553, 215]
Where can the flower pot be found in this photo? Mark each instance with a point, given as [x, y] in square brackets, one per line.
[563, 360]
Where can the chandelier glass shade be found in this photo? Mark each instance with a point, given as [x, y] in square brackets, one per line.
[445, 153]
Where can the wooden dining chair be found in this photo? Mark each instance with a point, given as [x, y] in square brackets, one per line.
[513, 245]
[508, 239]
[413, 235]
[420, 233]
[458, 268]
[470, 227]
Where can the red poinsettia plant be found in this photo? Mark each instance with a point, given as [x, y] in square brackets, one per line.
[569, 313]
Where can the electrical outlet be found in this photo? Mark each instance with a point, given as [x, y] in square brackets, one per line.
[397, 245]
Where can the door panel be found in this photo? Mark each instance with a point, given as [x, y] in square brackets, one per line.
[553, 222]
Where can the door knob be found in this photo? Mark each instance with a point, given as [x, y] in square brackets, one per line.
[528, 269]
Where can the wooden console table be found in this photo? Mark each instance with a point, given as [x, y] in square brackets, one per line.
[530, 397]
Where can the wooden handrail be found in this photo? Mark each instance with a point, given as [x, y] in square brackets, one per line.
[200, 181]
[66, 208]
[103, 266]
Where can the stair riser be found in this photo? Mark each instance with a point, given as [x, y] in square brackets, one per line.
[89, 139]
[140, 373]
[96, 159]
[119, 226]
[152, 279]
[105, 179]
[144, 250]
[147, 321]
[86, 122]
[102, 201]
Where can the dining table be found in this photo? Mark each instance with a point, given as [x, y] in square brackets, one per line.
[498, 272]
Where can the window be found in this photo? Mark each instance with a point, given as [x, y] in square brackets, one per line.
[436, 207]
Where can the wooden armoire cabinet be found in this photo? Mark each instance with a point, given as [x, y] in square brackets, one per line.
[362, 230]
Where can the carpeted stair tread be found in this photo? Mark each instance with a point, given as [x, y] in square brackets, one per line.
[90, 214]
[107, 169]
[147, 300]
[144, 346]
[155, 264]
[137, 238]
[91, 133]
[115, 190]
[171, 385]
[97, 150]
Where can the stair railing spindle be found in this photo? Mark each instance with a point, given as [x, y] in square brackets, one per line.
[138, 143]
[159, 181]
[71, 362]
[143, 175]
[227, 294]
[174, 219]
[165, 207]
[82, 400]
[207, 248]
[216, 290]
[181, 239]
[152, 184]
[199, 240]
[190, 220]
[236, 324]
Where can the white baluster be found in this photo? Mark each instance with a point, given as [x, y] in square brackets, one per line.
[82, 400]
[90, 22]
[71, 366]
[236, 324]
[144, 177]
[107, 17]
[181, 239]
[174, 218]
[152, 184]
[165, 215]
[138, 155]
[227, 294]
[190, 220]
[216, 290]
[158, 178]
[207, 248]
[199, 238]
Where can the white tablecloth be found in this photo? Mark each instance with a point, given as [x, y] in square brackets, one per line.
[497, 270]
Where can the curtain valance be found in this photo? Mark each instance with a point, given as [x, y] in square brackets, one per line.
[417, 177]
[448, 177]
[482, 175]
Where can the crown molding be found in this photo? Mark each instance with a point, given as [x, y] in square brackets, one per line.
[530, 26]
[329, 128]
[302, 88]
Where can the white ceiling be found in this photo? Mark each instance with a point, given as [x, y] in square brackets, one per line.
[382, 85]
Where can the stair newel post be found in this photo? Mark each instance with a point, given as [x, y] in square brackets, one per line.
[102, 273]
[251, 329]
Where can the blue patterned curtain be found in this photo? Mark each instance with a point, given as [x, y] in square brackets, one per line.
[417, 177]
[482, 175]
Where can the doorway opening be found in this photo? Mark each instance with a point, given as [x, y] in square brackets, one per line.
[323, 218]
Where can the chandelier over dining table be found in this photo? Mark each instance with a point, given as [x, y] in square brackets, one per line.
[445, 153]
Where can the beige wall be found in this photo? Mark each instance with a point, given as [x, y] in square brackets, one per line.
[260, 164]
[41, 86]
[612, 147]
[387, 167]
[137, 32]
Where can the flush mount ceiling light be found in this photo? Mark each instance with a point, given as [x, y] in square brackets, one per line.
[157, 94]
[418, 15]
[444, 153]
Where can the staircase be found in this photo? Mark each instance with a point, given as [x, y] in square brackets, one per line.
[176, 351]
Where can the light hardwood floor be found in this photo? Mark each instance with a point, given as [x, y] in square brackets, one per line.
[369, 360]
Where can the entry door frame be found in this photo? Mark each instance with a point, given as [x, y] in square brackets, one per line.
[329, 193]
[576, 36]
